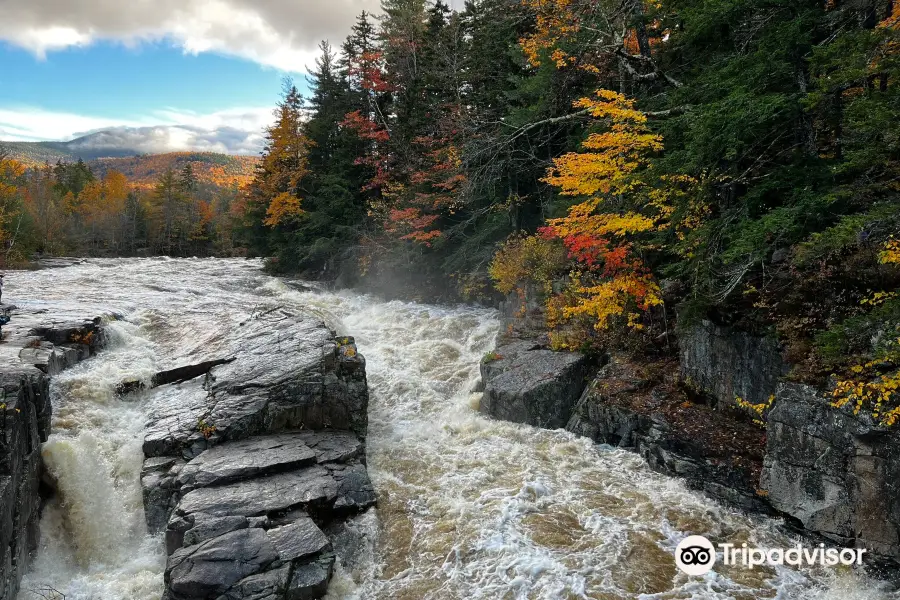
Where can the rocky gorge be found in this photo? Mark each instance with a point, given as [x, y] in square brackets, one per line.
[831, 473]
[246, 466]
[35, 347]
[229, 441]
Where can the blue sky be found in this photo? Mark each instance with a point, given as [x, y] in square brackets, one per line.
[166, 74]
[110, 80]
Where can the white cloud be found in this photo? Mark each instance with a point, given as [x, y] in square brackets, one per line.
[232, 131]
[32, 124]
[279, 33]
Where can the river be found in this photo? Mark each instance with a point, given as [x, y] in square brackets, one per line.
[468, 507]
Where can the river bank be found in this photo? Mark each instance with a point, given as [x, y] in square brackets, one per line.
[721, 417]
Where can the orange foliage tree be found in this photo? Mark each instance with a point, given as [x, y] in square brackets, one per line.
[601, 232]
[276, 186]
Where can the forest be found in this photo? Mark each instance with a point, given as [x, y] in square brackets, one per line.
[637, 166]
[180, 204]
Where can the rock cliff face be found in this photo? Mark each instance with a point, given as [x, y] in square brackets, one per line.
[629, 407]
[836, 473]
[726, 364]
[245, 469]
[32, 351]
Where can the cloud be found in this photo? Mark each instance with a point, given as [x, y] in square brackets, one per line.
[32, 124]
[279, 33]
[232, 131]
[159, 139]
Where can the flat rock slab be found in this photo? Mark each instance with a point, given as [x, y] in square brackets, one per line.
[289, 372]
[256, 497]
[246, 459]
[333, 446]
[300, 539]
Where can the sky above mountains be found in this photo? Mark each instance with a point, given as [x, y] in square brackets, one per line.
[159, 74]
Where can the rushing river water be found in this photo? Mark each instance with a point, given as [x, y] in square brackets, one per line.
[468, 507]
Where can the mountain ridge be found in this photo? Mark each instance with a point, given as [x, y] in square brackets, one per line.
[141, 168]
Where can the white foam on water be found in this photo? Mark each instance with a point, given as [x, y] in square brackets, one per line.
[475, 508]
[468, 507]
[94, 541]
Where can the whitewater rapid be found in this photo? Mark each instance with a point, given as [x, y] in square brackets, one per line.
[468, 507]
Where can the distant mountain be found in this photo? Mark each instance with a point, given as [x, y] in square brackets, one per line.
[38, 153]
[141, 169]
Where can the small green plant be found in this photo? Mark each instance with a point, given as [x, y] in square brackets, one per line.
[491, 357]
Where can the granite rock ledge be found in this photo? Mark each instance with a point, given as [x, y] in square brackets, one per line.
[246, 469]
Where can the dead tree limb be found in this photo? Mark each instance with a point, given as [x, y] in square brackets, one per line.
[177, 375]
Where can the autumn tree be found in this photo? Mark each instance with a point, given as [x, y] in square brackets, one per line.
[49, 212]
[273, 199]
[12, 183]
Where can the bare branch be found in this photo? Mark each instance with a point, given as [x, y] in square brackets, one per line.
[671, 112]
[654, 75]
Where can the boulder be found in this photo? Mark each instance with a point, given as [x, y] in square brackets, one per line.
[525, 383]
[310, 581]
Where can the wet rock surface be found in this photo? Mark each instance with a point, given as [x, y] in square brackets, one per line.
[246, 468]
[525, 383]
[288, 372]
[261, 537]
[834, 472]
[35, 346]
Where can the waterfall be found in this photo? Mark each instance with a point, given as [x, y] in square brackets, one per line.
[468, 507]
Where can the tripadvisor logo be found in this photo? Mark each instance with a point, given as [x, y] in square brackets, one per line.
[695, 555]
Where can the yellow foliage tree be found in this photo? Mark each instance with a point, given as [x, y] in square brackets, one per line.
[275, 191]
[283, 207]
[11, 173]
[609, 278]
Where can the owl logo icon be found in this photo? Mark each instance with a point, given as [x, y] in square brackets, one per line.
[695, 555]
